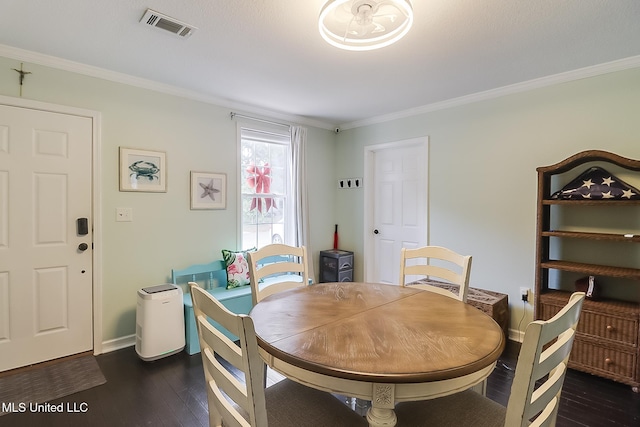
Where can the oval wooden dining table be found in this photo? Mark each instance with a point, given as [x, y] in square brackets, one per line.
[383, 343]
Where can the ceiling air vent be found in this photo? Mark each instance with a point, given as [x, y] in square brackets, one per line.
[164, 22]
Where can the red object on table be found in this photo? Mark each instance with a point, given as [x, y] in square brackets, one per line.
[335, 238]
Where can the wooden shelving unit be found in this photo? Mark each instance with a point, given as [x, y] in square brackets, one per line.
[591, 236]
[608, 339]
[593, 269]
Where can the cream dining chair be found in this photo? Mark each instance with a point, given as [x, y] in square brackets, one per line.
[535, 392]
[238, 403]
[444, 259]
[275, 268]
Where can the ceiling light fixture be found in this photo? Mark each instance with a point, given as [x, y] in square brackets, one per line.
[365, 24]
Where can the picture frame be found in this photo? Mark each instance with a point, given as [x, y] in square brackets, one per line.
[208, 190]
[143, 170]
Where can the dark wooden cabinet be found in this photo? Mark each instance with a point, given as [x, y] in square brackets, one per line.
[336, 266]
[583, 238]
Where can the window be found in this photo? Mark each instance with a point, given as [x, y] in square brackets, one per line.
[265, 168]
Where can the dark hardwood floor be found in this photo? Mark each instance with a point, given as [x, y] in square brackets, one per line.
[170, 392]
[586, 400]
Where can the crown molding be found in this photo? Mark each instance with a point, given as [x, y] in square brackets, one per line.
[581, 73]
[101, 73]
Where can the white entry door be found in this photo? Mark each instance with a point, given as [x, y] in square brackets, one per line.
[45, 267]
[399, 206]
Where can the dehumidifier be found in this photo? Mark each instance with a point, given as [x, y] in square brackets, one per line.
[159, 322]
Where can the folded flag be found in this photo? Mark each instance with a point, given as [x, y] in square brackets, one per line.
[596, 184]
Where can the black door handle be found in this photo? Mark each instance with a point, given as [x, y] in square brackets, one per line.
[376, 231]
[83, 247]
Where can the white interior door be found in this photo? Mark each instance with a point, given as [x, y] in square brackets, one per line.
[399, 206]
[45, 273]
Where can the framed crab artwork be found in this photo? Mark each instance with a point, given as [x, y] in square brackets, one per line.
[143, 170]
[208, 190]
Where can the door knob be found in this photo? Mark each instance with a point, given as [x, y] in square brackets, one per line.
[376, 231]
[83, 247]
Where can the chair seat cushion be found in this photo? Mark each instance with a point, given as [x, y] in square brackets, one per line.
[461, 409]
[296, 405]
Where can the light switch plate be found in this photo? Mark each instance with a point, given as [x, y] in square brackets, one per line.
[124, 214]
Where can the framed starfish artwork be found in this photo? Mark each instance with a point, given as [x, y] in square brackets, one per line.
[208, 190]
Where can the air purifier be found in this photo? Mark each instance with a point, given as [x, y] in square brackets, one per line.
[159, 322]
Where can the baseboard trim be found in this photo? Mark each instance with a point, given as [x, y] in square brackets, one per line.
[118, 343]
[516, 335]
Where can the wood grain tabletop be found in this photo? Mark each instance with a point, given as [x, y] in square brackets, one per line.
[376, 333]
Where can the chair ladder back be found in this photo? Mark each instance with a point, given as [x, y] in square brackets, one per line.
[553, 356]
[465, 263]
[531, 393]
[278, 267]
[212, 308]
[433, 271]
[222, 384]
[430, 271]
[223, 346]
[254, 374]
[258, 270]
[278, 287]
[548, 417]
[221, 412]
[222, 387]
[437, 290]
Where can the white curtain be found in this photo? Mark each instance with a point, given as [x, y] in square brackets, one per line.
[299, 192]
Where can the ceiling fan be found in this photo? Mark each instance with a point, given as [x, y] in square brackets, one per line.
[365, 24]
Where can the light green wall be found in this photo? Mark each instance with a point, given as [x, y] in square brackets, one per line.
[165, 233]
[482, 180]
[482, 169]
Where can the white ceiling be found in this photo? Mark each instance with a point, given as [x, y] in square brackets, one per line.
[267, 55]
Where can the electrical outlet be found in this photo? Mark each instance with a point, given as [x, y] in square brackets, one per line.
[524, 294]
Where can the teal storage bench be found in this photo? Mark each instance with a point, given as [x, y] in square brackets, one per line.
[213, 278]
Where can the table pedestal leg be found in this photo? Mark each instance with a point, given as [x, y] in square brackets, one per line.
[381, 417]
[381, 413]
